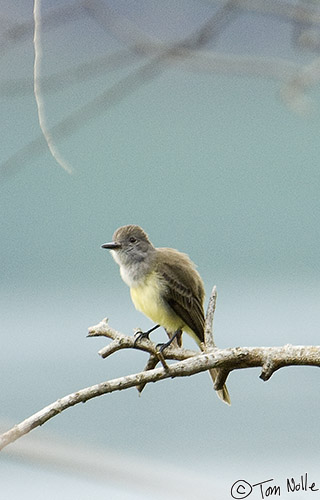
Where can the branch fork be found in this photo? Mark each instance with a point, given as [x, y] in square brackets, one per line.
[121, 341]
[187, 363]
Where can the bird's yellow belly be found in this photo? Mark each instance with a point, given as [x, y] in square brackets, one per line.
[147, 299]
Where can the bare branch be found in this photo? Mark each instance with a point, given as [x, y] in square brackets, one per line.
[151, 364]
[208, 327]
[14, 32]
[37, 90]
[161, 56]
[274, 68]
[269, 358]
[121, 341]
[286, 10]
[61, 80]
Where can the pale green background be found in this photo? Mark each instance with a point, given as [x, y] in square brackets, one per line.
[216, 166]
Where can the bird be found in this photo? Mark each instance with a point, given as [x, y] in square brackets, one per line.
[165, 286]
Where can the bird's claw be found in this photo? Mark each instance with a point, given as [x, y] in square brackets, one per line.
[144, 335]
[140, 335]
[161, 347]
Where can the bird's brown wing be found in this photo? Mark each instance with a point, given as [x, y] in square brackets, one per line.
[184, 303]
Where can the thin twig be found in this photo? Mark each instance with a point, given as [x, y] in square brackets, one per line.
[121, 341]
[61, 80]
[185, 52]
[37, 89]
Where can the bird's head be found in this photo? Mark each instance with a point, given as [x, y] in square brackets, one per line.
[130, 244]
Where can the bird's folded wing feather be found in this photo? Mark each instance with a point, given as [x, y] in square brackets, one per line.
[184, 303]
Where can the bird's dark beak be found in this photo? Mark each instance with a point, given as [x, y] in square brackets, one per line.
[111, 246]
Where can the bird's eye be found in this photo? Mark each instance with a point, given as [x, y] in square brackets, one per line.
[132, 239]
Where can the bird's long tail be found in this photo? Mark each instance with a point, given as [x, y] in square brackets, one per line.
[223, 393]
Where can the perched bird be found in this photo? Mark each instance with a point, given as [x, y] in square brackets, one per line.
[164, 285]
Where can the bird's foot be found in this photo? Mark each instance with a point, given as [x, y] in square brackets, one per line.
[177, 335]
[140, 335]
[162, 347]
[143, 335]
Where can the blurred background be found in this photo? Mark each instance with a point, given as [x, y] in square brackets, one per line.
[199, 121]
